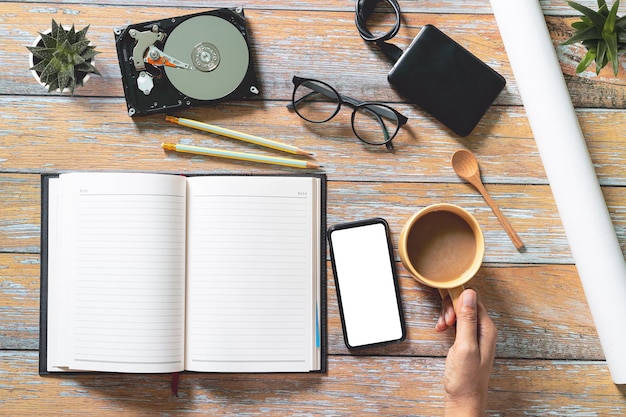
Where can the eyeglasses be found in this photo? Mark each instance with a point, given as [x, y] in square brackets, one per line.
[373, 123]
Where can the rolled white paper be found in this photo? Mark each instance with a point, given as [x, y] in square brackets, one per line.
[577, 193]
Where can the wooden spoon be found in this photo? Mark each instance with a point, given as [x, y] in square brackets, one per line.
[466, 166]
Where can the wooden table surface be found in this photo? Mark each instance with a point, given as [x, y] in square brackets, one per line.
[549, 361]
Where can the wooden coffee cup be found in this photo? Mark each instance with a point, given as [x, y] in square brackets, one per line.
[442, 246]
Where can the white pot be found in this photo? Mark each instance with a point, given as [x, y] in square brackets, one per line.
[31, 62]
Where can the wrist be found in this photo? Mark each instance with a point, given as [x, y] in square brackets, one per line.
[465, 408]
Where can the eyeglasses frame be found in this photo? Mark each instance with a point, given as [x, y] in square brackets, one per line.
[381, 109]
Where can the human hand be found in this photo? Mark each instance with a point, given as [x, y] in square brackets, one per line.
[470, 359]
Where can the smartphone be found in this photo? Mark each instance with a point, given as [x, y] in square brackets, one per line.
[367, 286]
[446, 80]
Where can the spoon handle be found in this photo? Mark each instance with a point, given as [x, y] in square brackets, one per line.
[517, 241]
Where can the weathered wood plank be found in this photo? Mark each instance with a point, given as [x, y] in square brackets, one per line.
[19, 301]
[515, 296]
[530, 210]
[20, 215]
[361, 386]
[279, 42]
[96, 133]
[550, 7]
[546, 336]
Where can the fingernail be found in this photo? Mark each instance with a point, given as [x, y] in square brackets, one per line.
[469, 298]
[440, 324]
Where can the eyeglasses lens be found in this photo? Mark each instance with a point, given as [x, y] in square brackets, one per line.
[375, 124]
[315, 102]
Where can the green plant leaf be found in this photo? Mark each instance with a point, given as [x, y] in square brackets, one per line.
[55, 29]
[585, 35]
[39, 67]
[53, 85]
[71, 34]
[78, 47]
[610, 37]
[589, 57]
[51, 68]
[88, 68]
[609, 24]
[620, 23]
[41, 52]
[89, 53]
[64, 78]
[580, 25]
[611, 50]
[48, 40]
[61, 36]
[602, 8]
[596, 18]
[601, 56]
[82, 34]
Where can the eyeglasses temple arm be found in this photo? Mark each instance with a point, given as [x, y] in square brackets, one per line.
[316, 88]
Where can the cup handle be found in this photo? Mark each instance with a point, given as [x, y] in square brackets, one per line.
[454, 293]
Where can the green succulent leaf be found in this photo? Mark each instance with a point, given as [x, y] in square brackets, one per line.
[82, 34]
[38, 67]
[41, 52]
[53, 67]
[55, 29]
[53, 85]
[79, 46]
[48, 40]
[64, 78]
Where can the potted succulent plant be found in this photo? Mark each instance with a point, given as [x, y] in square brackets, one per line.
[602, 32]
[62, 59]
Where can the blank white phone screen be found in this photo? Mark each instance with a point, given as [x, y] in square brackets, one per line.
[366, 285]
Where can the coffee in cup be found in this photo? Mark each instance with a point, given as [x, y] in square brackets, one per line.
[442, 246]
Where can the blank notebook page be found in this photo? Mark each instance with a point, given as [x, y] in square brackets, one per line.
[251, 257]
[126, 238]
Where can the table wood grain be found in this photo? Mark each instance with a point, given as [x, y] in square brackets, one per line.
[549, 361]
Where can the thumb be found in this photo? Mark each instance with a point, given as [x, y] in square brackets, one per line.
[467, 318]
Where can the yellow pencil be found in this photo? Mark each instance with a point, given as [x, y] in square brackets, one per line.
[236, 135]
[241, 156]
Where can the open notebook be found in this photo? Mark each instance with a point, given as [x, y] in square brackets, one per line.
[156, 273]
